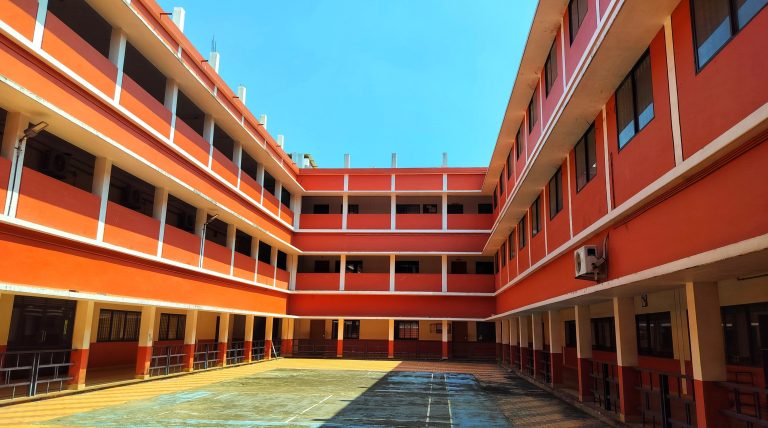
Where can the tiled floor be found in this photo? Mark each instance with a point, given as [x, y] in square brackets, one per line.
[292, 392]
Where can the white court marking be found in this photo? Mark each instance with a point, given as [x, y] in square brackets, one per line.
[308, 408]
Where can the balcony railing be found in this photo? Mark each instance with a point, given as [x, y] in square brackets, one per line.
[28, 373]
[166, 359]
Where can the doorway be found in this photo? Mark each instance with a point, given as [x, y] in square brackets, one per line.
[40, 323]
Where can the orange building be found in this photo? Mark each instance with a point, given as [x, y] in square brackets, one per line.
[613, 247]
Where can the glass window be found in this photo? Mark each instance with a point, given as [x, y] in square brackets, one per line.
[118, 326]
[406, 330]
[521, 230]
[634, 100]
[171, 327]
[518, 143]
[603, 334]
[533, 110]
[501, 184]
[742, 325]
[556, 193]
[577, 11]
[503, 254]
[654, 334]
[586, 158]
[351, 329]
[509, 165]
[535, 217]
[715, 23]
[570, 334]
[511, 244]
[550, 67]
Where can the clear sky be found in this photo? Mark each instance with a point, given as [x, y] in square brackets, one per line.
[370, 77]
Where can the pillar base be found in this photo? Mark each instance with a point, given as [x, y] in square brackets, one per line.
[248, 350]
[444, 354]
[79, 365]
[629, 397]
[76, 386]
[222, 354]
[339, 349]
[391, 349]
[710, 400]
[141, 376]
[287, 347]
[143, 361]
[189, 357]
[268, 349]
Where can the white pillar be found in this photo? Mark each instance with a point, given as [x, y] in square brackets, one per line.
[13, 148]
[344, 211]
[208, 129]
[391, 272]
[444, 211]
[101, 175]
[159, 212]
[117, 44]
[342, 271]
[444, 271]
[392, 211]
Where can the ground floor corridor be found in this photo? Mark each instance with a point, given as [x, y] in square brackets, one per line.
[328, 393]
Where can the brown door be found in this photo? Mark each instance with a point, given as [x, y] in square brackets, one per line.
[460, 339]
[317, 329]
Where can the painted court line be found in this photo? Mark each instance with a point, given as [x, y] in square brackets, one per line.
[308, 408]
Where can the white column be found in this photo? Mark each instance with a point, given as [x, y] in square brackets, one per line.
[537, 330]
[555, 332]
[208, 128]
[273, 262]
[296, 210]
[444, 211]
[391, 272]
[231, 233]
[344, 211]
[342, 271]
[37, 36]
[117, 44]
[444, 270]
[278, 195]
[13, 148]
[293, 269]
[171, 100]
[101, 175]
[159, 212]
[237, 158]
[392, 210]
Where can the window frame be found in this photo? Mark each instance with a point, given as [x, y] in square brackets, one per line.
[650, 319]
[549, 81]
[124, 337]
[571, 33]
[632, 80]
[165, 323]
[536, 216]
[585, 140]
[522, 240]
[533, 107]
[410, 326]
[518, 143]
[735, 26]
[557, 178]
[596, 324]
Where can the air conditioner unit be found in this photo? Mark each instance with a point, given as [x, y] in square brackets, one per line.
[586, 262]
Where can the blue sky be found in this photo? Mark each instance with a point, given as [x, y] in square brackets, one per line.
[370, 77]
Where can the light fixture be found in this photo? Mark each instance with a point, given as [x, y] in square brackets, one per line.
[35, 129]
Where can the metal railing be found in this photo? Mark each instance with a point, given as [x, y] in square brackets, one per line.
[314, 348]
[257, 351]
[206, 356]
[748, 404]
[364, 349]
[277, 345]
[166, 359]
[667, 399]
[605, 386]
[235, 353]
[418, 350]
[28, 373]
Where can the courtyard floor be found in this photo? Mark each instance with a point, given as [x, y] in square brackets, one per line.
[313, 393]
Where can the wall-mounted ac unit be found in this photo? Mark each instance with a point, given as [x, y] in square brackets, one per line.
[586, 262]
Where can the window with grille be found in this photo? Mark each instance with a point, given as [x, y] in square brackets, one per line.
[171, 327]
[406, 330]
[118, 326]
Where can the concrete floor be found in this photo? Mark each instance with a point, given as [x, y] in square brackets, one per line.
[314, 393]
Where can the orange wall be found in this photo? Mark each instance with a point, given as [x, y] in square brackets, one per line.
[387, 306]
[391, 242]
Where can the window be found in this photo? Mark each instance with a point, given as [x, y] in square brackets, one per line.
[603, 334]
[282, 260]
[484, 268]
[503, 254]
[570, 334]
[715, 22]
[407, 208]
[495, 197]
[437, 328]
[406, 266]
[519, 143]
[634, 101]
[742, 326]
[550, 68]
[654, 334]
[216, 232]
[484, 209]
[521, 233]
[321, 209]
[509, 165]
[406, 330]
[265, 253]
[486, 332]
[171, 327]
[354, 266]
[577, 11]
[556, 193]
[455, 209]
[496, 262]
[269, 183]
[351, 329]
[511, 244]
[501, 184]
[535, 217]
[429, 209]
[131, 192]
[533, 110]
[586, 158]
[243, 243]
[180, 214]
[458, 267]
[60, 160]
[118, 326]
